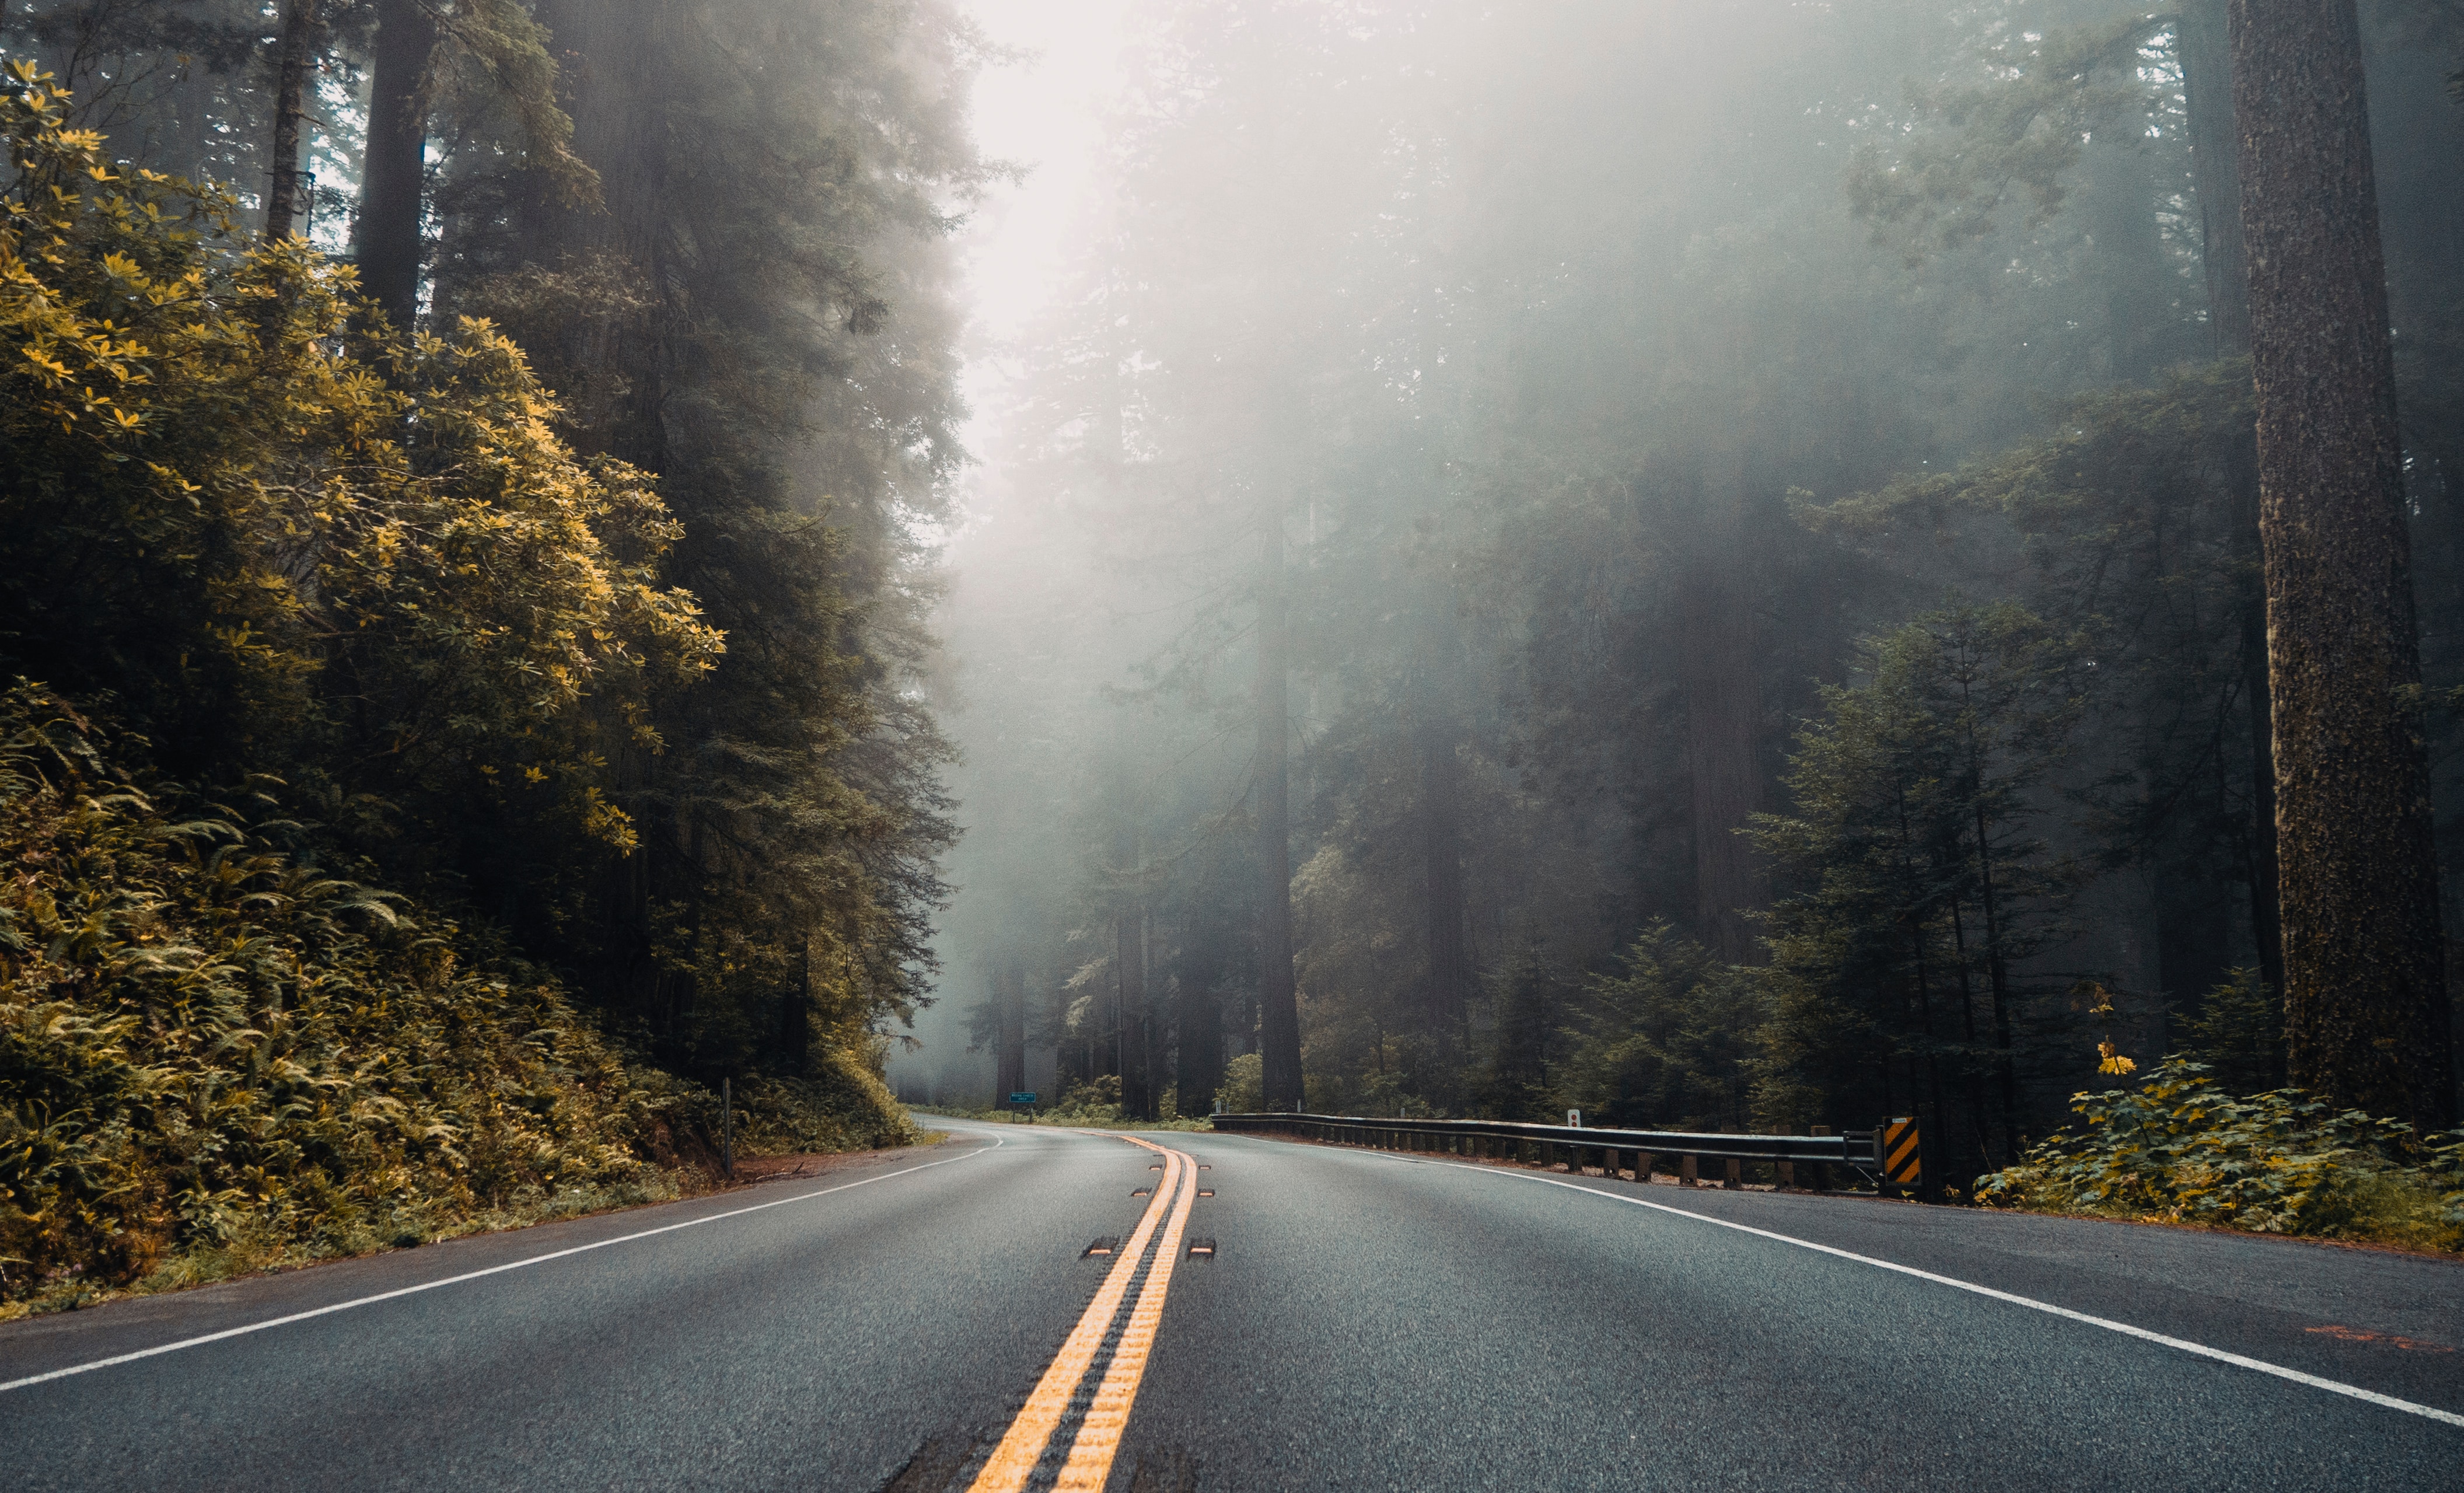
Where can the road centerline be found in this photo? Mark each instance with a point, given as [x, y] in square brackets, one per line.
[1109, 1343]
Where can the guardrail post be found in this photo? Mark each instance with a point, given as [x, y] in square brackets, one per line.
[1643, 1166]
[1733, 1175]
[1822, 1169]
[1686, 1173]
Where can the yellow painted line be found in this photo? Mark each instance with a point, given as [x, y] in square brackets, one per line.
[1099, 1436]
[1013, 1461]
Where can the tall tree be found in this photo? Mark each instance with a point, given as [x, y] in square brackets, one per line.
[2365, 995]
[1278, 1022]
[301, 21]
[393, 175]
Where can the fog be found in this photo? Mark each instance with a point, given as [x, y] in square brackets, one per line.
[1611, 397]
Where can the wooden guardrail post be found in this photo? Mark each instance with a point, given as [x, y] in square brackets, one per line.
[1643, 1166]
[1686, 1175]
[1822, 1169]
[1733, 1175]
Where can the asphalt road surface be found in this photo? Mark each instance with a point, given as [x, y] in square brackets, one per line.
[931, 1320]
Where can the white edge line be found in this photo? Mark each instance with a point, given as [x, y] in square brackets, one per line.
[471, 1275]
[2237, 1360]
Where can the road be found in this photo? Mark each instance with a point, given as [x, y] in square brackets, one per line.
[929, 1320]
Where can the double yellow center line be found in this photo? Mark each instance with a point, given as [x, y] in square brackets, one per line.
[1062, 1422]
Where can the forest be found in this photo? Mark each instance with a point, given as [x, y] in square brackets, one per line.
[463, 472]
[1716, 551]
[1726, 566]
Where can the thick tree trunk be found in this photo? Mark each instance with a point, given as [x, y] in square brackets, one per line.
[1130, 964]
[2216, 171]
[298, 58]
[2215, 175]
[1009, 1043]
[1200, 1019]
[1449, 989]
[2365, 997]
[1722, 688]
[1279, 1019]
[386, 238]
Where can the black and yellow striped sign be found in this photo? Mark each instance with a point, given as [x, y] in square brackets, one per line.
[1903, 1166]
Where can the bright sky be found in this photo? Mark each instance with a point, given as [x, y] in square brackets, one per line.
[1045, 113]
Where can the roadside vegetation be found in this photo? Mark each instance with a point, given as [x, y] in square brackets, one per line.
[220, 1053]
[2181, 1148]
[401, 835]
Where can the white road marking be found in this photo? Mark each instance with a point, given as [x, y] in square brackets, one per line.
[471, 1275]
[2237, 1360]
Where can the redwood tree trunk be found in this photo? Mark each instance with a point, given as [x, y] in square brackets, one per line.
[1722, 713]
[299, 20]
[2215, 174]
[1449, 991]
[2365, 997]
[2207, 74]
[1279, 1019]
[1009, 1054]
[1130, 962]
[386, 238]
[1200, 1021]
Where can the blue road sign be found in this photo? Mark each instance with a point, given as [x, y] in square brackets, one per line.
[1027, 1098]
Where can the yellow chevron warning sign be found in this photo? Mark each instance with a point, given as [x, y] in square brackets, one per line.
[1902, 1164]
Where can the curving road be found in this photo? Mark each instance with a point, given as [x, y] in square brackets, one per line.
[931, 1320]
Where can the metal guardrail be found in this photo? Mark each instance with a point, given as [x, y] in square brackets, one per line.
[1575, 1147]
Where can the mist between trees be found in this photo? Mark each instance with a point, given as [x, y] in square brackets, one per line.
[1721, 540]
[1712, 562]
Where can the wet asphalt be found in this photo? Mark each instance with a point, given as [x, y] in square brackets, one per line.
[1369, 1322]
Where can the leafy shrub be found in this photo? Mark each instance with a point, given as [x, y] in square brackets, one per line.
[1244, 1085]
[210, 1045]
[2183, 1149]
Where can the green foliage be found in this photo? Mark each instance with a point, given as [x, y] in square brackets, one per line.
[1912, 871]
[213, 1046]
[1244, 1085]
[2182, 1147]
[290, 553]
[2017, 134]
[2239, 1033]
[1668, 1042]
[370, 577]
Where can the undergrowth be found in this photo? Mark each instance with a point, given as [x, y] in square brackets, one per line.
[218, 1056]
[2181, 1148]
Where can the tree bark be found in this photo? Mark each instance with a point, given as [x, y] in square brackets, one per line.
[1009, 1043]
[1449, 988]
[1723, 689]
[386, 238]
[1200, 1019]
[1278, 1005]
[2215, 174]
[2365, 997]
[299, 57]
[1130, 965]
